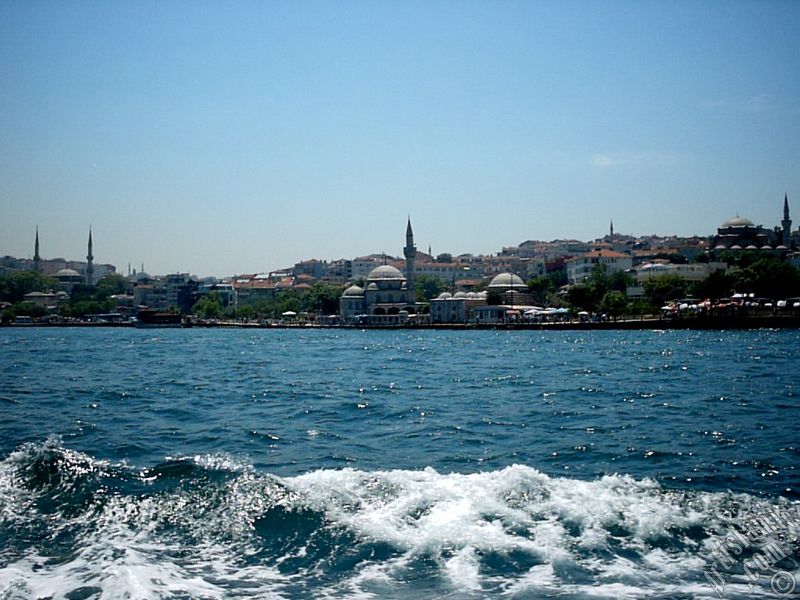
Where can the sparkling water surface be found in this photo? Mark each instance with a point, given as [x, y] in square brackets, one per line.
[347, 463]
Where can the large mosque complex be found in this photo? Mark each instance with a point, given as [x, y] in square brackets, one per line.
[388, 297]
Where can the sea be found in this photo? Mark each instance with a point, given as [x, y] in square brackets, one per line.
[347, 463]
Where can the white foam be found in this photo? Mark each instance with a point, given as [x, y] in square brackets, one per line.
[570, 526]
[615, 537]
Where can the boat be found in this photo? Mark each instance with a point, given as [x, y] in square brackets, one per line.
[153, 318]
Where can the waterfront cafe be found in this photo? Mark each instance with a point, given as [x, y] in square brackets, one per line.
[501, 313]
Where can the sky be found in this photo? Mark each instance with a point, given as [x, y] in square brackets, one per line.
[220, 138]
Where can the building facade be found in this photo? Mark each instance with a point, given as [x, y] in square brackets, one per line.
[580, 267]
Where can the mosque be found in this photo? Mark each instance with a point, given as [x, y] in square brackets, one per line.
[388, 297]
[70, 273]
[739, 233]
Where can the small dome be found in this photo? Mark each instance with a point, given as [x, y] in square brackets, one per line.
[737, 221]
[353, 290]
[460, 295]
[751, 247]
[67, 273]
[385, 272]
[507, 281]
[372, 287]
[444, 296]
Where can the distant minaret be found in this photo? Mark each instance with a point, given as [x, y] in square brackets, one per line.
[89, 259]
[611, 231]
[37, 260]
[410, 252]
[787, 223]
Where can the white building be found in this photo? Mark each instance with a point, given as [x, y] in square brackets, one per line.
[580, 268]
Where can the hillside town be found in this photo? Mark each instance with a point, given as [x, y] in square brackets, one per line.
[740, 266]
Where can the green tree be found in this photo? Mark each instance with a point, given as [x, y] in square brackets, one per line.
[209, 306]
[541, 288]
[619, 281]
[662, 289]
[613, 303]
[769, 277]
[323, 298]
[587, 295]
[111, 285]
[428, 287]
[83, 308]
[582, 296]
[287, 300]
[28, 309]
[600, 280]
[14, 286]
[717, 285]
[559, 277]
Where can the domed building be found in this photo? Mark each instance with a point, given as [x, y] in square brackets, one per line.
[505, 298]
[388, 297]
[68, 278]
[740, 233]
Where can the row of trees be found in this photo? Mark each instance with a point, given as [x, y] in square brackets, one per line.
[83, 299]
[763, 276]
[321, 298]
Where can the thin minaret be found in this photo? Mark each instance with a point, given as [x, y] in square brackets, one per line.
[611, 231]
[37, 260]
[786, 223]
[410, 252]
[89, 259]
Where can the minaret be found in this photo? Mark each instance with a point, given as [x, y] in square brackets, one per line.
[786, 223]
[37, 260]
[611, 231]
[410, 252]
[89, 259]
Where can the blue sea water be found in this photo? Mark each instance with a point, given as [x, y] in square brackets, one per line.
[396, 464]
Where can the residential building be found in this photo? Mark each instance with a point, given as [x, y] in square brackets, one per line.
[580, 268]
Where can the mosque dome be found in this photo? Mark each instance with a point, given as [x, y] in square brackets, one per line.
[353, 290]
[460, 295]
[444, 296]
[507, 281]
[384, 273]
[67, 273]
[737, 221]
[68, 276]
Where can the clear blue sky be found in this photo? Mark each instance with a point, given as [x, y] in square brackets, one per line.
[233, 137]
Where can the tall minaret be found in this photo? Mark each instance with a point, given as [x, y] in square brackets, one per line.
[611, 231]
[787, 223]
[410, 252]
[37, 260]
[89, 259]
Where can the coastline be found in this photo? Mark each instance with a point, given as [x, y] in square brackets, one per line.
[697, 323]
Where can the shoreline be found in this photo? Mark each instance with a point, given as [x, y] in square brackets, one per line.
[693, 323]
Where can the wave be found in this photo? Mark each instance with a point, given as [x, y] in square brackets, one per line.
[211, 526]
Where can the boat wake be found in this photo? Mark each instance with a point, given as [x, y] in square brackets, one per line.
[209, 526]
